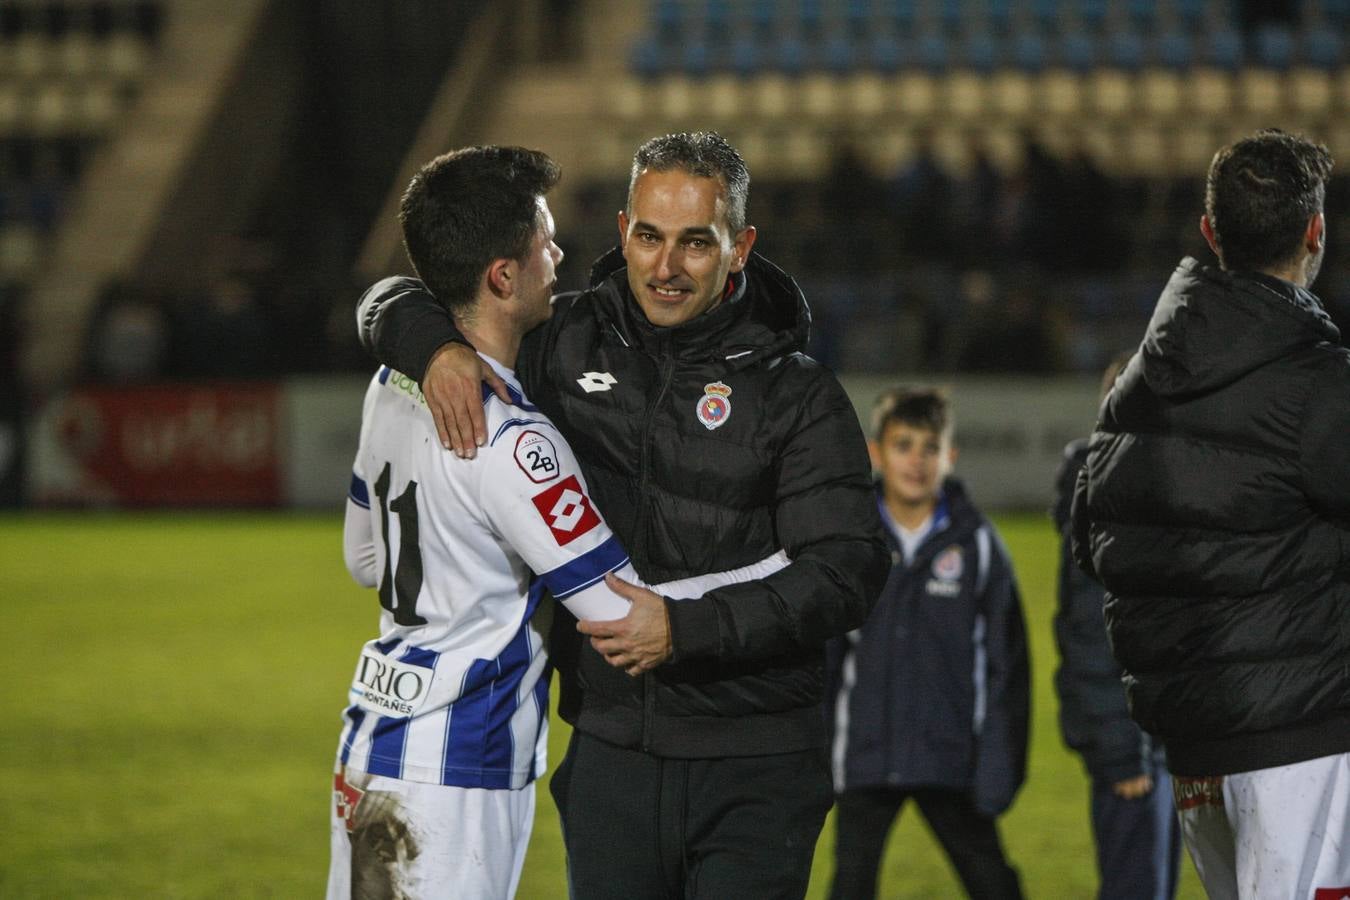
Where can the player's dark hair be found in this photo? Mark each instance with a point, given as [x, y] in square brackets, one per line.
[469, 207]
[1259, 195]
[918, 407]
[703, 153]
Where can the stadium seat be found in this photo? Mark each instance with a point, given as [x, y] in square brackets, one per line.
[1060, 93]
[1261, 91]
[1274, 47]
[979, 51]
[1321, 47]
[1125, 50]
[1173, 49]
[723, 98]
[1077, 50]
[1310, 91]
[820, 97]
[1209, 93]
[1159, 92]
[915, 94]
[1011, 94]
[1029, 51]
[883, 52]
[963, 95]
[772, 96]
[865, 96]
[837, 53]
[1110, 92]
[1222, 48]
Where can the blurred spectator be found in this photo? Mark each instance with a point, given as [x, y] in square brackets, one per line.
[128, 337]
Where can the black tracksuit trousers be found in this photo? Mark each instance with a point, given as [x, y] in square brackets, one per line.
[638, 826]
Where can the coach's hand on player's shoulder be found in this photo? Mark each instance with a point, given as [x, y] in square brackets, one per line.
[638, 642]
[451, 387]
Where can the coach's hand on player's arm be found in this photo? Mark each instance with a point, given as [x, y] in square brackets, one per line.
[451, 387]
[638, 642]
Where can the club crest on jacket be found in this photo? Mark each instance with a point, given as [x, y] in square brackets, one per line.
[714, 407]
[947, 569]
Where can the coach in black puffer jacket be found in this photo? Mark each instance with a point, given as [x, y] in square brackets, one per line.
[787, 470]
[1216, 510]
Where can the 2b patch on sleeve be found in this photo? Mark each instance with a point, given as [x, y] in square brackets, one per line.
[566, 510]
[537, 457]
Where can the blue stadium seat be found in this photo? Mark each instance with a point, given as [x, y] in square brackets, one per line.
[931, 51]
[1338, 10]
[901, 13]
[647, 59]
[837, 54]
[1223, 48]
[1190, 12]
[763, 14]
[858, 16]
[1028, 50]
[1322, 48]
[789, 55]
[999, 14]
[1125, 49]
[743, 56]
[950, 14]
[810, 15]
[1078, 51]
[1274, 47]
[1092, 13]
[718, 15]
[1173, 49]
[980, 51]
[884, 52]
[695, 57]
[1045, 14]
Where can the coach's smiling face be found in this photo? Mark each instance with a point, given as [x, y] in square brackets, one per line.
[678, 245]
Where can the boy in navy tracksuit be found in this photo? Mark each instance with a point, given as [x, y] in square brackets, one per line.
[930, 698]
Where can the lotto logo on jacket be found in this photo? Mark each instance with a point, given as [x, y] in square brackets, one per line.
[566, 510]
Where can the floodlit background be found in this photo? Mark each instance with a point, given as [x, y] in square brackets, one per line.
[193, 193]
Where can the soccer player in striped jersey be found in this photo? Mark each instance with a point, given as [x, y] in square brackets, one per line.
[446, 728]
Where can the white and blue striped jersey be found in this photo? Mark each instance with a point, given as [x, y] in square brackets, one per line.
[454, 689]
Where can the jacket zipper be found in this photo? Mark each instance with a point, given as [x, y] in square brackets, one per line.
[667, 371]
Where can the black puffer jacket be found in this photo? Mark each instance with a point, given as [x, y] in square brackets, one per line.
[1214, 508]
[786, 469]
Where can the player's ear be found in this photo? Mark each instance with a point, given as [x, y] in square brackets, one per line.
[501, 277]
[1207, 229]
[623, 230]
[874, 454]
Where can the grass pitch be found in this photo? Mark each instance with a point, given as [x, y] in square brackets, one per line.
[170, 708]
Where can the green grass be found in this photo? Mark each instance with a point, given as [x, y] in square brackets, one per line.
[169, 709]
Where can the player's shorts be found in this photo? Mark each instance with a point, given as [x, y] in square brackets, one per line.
[393, 838]
[1270, 833]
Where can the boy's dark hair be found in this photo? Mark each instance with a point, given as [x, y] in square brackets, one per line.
[468, 207]
[703, 153]
[917, 407]
[1259, 195]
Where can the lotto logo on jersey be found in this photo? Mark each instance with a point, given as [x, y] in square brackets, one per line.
[345, 800]
[566, 510]
[536, 457]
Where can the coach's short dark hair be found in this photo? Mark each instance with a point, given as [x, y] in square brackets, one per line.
[468, 207]
[917, 407]
[1259, 195]
[703, 153]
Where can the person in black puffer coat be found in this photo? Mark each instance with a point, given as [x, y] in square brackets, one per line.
[1215, 508]
[710, 443]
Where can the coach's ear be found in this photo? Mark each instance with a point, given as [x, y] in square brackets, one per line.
[500, 277]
